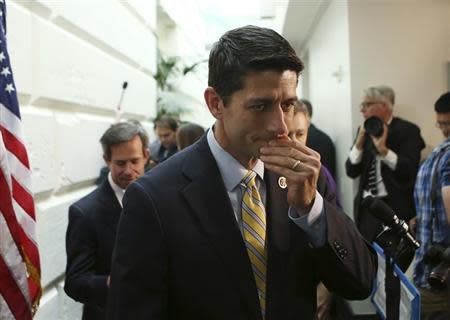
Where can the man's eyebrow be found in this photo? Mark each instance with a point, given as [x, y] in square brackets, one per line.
[269, 100]
[260, 100]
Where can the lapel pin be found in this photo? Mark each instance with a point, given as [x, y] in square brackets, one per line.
[282, 182]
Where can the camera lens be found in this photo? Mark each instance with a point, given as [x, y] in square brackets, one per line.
[439, 276]
[374, 126]
[438, 258]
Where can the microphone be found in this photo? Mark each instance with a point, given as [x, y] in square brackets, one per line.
[383, 212]
[119, 111]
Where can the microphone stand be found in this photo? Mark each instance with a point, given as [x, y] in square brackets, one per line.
[400, 252]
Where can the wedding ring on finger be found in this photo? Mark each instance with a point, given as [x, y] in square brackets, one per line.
[296, 164]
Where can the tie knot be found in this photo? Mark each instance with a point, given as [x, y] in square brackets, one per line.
[249, 179]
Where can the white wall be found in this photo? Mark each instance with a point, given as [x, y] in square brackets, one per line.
[69, 60]
[328, 75]
[182, 33]
[356, 44]
[404, 45]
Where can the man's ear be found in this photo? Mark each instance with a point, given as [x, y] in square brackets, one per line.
[146, 153]
[214, 102]
[107, 161]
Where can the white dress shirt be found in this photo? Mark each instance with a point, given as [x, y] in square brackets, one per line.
[118, 191]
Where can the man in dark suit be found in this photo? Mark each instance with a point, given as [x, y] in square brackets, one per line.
[321, 142]
[93, 219]
[386, 163]
[328, 306]
[233, 227]
[166, 146]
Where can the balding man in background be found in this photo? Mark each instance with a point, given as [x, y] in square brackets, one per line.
[385, 156]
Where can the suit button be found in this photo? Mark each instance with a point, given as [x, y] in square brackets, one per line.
[337, 245]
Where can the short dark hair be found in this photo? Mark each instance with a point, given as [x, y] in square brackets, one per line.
[442, 104]
[308, 106]
[247, 49]
[300, 106]
[123, 132]
[167, 122]
[187, 134]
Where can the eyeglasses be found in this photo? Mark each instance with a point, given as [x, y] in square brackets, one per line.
[364, 105]
[442, 124]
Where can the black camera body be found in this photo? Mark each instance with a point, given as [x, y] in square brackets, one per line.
[438, 257]
[374, 126]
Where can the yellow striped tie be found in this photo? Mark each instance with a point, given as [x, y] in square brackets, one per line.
[254, 226]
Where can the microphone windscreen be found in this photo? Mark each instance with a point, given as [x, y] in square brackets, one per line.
[367, 201]
[125, 85]
[379, 210]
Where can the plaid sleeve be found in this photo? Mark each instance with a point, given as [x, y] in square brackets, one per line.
[445, 169]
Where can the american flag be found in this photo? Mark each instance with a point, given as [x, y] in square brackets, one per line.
[20, 271]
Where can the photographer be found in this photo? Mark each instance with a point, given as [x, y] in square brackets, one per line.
[432, 198]
[385, 156]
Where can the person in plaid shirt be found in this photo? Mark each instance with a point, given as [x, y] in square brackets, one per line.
[432, 222]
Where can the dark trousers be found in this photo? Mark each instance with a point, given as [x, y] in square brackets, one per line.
[435, 305]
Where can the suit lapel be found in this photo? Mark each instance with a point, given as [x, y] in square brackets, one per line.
[277, 212]
[111, 206]
[278, 243]
[209, 201]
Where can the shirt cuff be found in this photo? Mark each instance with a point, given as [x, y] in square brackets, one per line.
[390, 159]
[355, 155]
[314, 223]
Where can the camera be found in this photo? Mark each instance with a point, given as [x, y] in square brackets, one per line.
[438, 257]
[374, 126]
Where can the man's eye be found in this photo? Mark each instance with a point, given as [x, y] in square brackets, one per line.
[287, 106]
[120, 163]
[258, 107]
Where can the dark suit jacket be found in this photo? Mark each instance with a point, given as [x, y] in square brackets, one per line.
[405, 140]
[180, 255]
[89, 244]
[157, 151]
[322, 143]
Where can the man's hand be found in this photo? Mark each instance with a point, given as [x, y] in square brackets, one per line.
[300, 165]
[380, 143]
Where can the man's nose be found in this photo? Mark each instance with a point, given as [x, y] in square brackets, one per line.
[128, 168]
[278, 122]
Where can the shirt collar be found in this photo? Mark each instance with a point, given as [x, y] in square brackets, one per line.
[118, 191]
[231, 170]
[390, 120]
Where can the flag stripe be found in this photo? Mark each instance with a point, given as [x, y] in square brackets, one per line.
[13, 259]
[13, 295]
[5, 313]
[19, 171]
[23, 198]
[11, 121]
[26, 222]
[15, 146]
[6, 209]
[16, 231]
